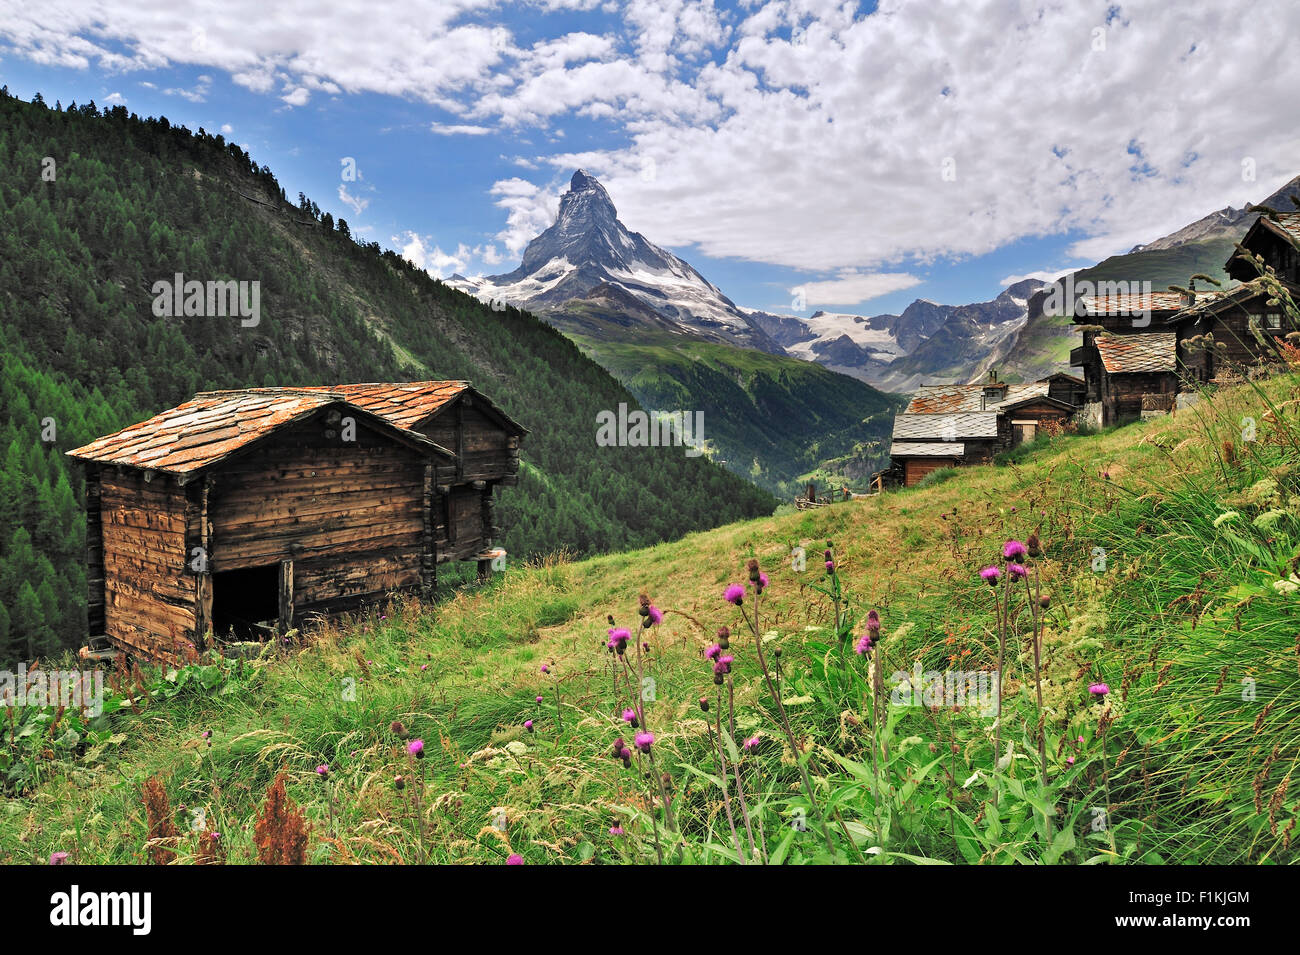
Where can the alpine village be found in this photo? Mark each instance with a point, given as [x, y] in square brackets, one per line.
[452, 520]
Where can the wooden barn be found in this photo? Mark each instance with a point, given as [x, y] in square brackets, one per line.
[239, 513]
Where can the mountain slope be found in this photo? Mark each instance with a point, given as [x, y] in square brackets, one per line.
[136, 201]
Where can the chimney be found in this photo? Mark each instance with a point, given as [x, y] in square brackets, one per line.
[993, 389]
[1189, 297]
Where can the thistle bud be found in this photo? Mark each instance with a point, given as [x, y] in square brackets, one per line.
[1045, 601]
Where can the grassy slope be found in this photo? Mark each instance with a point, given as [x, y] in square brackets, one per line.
[1180, 607]
[768, 417]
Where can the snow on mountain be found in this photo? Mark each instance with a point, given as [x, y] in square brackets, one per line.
[588, 248]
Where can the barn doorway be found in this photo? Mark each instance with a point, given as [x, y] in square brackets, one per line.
[246, 602]
[1023, 432]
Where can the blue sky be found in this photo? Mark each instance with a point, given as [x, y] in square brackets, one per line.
[868, 156]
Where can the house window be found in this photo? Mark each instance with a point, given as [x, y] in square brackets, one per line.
[1273, 321]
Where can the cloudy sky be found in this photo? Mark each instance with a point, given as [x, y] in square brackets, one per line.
[869, 154]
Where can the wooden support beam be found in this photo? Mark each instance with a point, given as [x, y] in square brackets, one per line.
[286, 596]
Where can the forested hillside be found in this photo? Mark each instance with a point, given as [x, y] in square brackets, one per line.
[96, 206]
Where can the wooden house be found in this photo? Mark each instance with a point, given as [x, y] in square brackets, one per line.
[953, 425]
[239, 513]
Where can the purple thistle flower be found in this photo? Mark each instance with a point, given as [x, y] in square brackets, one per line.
[616, 830]
[1017, 571]
[750, 744]
[207, 734]
[734, 594]
[629, 716]
[1099, 689]
[1014, 550]
[830, 566]
[864, 645]
[714, 651]
[58, 858]
[656, 615]
[528, 725]
[873, 622]
[424, 666]
[323, 771]
[723, 666]
[539, 699]
[416, 748]
[1069, 760]
[545, 668]
[991, 575]
[514, 859]
[644, 741]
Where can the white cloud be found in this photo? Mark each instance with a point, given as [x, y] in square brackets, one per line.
[355, 203]
[115, 99]
[1043, 275]
[443, 129]
[227, 129]
[297, 97]
[852, 288]
[800, 133]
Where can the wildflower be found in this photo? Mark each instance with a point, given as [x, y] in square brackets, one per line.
[734, 594]
[514, 859]
[644, 741]
[750, 744]
[539, 698]
[619, 746]
[528, 725]
[207, 734]
[1035, 546]
[1225, 517]
[830, 566]
[323, 771]
[618, 638]
[991, 575]
[724, 637]
[873, 622]
[399, 783]
[616, 830]
[424, 666]
[58, 858]
[704, 703]
[546, 668]
[397, 728]
[1017, 571]
[1286, 586]
[629, 716]
[1045, 601]
[723, 665]
[1069, 760]
[416, 748]
[714, 651]
[1099, 690]
[1014, 550]
[655, 615]
[864, 645]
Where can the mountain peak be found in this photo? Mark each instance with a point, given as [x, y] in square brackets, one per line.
[582, 180]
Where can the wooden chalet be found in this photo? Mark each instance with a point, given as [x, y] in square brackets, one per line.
[1135, 368]
[953, 425]
[238, 513]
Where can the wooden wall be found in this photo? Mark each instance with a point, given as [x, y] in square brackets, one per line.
[149, 593]
[351, 516]
[484, 450]
[915, 469]
[1122, 393]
